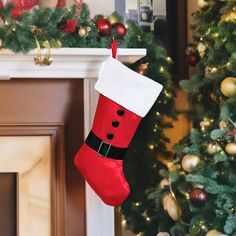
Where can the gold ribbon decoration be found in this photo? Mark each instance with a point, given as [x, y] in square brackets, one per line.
[47, 59]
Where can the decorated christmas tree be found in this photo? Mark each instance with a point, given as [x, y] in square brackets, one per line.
[197, 196]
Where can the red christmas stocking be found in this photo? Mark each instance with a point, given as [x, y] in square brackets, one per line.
[125, 97]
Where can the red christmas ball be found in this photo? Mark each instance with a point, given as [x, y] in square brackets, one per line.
[193, 59]
[120, 29]
[198, 197]
[103, 26]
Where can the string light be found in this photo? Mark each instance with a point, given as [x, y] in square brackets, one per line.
[157, 113]
[213, 70]
[151, 146]
[187, 196]
[169, 60]
[137, 204]
[167, 94]
[162, 69]
[123, 222]
[148, 219]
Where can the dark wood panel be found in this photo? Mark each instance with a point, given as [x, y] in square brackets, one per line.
[177, 37]
[8, 204]
[25, 102]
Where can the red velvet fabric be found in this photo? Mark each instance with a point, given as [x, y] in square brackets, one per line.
[105, 175]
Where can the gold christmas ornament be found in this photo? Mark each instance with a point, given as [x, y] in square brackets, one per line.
[205, 123]
[172, 207]
[223, 125]
[213, 148]
[163, 234]
[202, 3]
[189, 162]
[230, 148]
[57, 44]
[228, 86]
[113, 19]
[164, 182]
[35, 30]
[83, 32]
[201, 47]
[229, 17]
[213, 233]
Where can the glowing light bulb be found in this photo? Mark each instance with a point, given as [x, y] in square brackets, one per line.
[162, 69]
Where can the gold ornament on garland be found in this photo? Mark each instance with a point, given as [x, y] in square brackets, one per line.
[205, 123]
[172, 207]
[113, 19]
[228, 86]
[83, 31]
[229, 17]
[189, 162]
[213, 148]
[57, 44]
[35, 30]
[230, 148]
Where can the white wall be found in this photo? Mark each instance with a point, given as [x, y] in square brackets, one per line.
[159, 7]
[105, 7]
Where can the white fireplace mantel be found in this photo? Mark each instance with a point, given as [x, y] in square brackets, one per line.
[67, 62]
[73, 63]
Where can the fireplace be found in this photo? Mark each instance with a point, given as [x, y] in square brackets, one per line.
[45, 115]
[28, 161]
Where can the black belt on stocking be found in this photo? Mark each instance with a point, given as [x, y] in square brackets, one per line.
[104, 149]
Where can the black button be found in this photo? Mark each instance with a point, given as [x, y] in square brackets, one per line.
[120, 112]
[110, 135]
[115, 123]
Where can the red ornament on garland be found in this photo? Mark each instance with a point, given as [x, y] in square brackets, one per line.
[103, 26]
[120, 29]
[198, 197]
[70, 26]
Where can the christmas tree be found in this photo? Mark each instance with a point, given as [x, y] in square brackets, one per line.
[197, 195]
